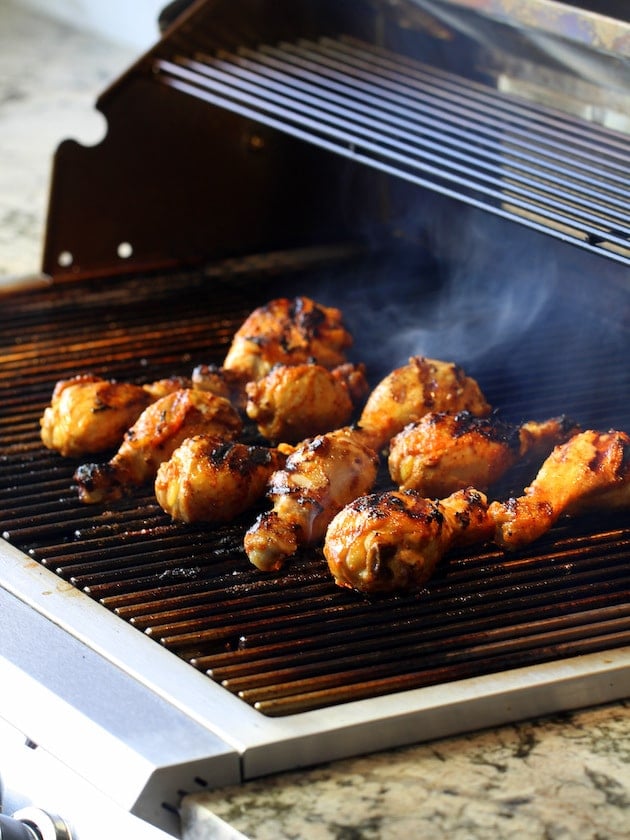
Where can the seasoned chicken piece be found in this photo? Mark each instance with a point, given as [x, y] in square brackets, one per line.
[354, 378]
[320, 476]
[392, 541]
[88, 414]
[159, 430]
[447, 452]
[208, 479]
[221, 382]
[162, 387]
[287, 331]
[590, 470]
[293, 402]
[411, 391]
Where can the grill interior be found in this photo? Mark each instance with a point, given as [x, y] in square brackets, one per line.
[292, 641]
[286, 131]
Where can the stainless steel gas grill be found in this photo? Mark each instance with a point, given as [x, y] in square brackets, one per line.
[366, 155]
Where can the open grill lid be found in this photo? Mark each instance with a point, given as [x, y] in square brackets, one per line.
[253, 127]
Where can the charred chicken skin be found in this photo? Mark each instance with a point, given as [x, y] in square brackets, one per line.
[208, 479]
[293, 402]
[320, 476]
[392, 541]
[287, 331]
[411, 391]
[159, 430]
[443, 452]
[88, 414]
[588, 472]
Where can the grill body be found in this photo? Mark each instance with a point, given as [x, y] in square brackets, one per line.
[514, 268]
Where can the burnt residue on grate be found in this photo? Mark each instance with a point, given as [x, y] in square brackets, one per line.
[292, 641]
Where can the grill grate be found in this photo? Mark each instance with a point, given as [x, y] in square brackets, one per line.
[434, 129]
[293, 642]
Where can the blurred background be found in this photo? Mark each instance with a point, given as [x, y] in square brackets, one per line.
[56, 56]
[124, 22]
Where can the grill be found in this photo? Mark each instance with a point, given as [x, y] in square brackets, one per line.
[293, 642]
[444, 218]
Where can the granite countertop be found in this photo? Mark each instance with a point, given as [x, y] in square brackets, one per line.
[567, 776]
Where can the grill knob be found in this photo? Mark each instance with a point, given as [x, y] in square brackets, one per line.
[33, 824]
[11, 829]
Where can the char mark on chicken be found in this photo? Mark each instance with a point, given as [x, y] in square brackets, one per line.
[159, 430]
[393, 541]
[443, 452]
[208, 479]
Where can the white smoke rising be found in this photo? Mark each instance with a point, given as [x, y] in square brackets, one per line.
[485, 286]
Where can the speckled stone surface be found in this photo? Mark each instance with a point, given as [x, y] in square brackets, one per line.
[566, 777]
[562, 777]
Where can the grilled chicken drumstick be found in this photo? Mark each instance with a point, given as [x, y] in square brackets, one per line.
[287, 331]
[220, 382]
[392, 541]
[293, 402]
[159, 430]
[588, 472]
[320, 476]
[282, 332]
[208, 479]
[447, 452]
[411, 391]
[88, 414]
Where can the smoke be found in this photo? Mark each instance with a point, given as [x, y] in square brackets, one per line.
[463, 294]
[542, 325]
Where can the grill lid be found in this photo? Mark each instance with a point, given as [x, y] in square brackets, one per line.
[430, 128]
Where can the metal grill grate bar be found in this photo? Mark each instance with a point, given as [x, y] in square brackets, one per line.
[418, 114]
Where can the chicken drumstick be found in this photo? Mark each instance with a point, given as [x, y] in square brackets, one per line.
[408, 393]
[287, 331]
[208, 479]
[447, 452]
[589, 471]
[391, 541]
[293, 402]
[320, 476]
